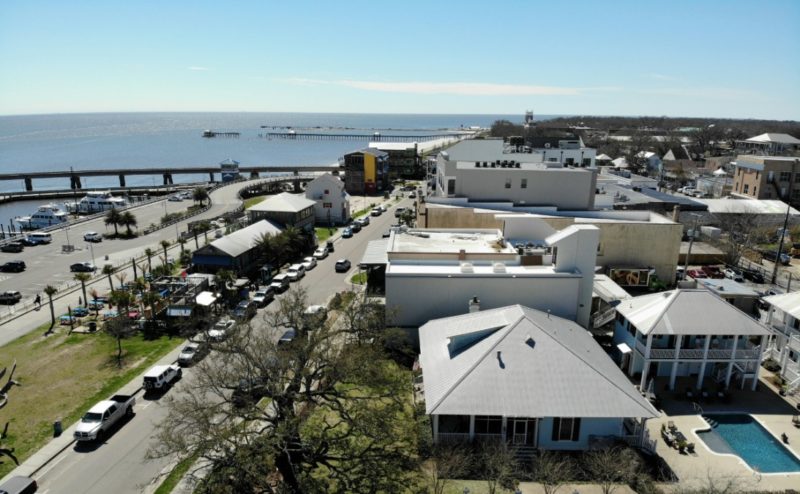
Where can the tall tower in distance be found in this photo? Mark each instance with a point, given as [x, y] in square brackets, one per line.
[529, 118]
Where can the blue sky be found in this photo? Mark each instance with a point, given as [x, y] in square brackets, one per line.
[682, 58]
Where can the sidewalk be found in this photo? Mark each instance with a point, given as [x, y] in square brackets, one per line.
[57, 445]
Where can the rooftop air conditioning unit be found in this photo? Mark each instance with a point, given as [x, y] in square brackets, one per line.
[498, 267]
[485, 164]
[466, 267]
[547, 145]
[518, 165]
[477, 164]
[493, 165]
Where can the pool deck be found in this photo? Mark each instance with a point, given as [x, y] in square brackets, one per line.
[704, 468]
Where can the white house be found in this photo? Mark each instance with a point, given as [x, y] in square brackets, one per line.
[650, 159]
[690, 334]
[431, 273]
[770, 144]
[526, 377]
[783, 320]
[332, 202]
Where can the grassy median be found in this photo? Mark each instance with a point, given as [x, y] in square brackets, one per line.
[62, 376]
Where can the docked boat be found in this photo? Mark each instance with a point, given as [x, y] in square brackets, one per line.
[95, 202]
[46, 215]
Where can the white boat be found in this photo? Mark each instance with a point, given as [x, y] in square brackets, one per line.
[46, 215]
[95, 202]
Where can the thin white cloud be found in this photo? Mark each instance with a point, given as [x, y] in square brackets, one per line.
[720, 93]
[197, 68]
[457, 88]
[660, 77]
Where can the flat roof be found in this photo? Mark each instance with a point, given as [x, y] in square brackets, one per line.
[474, 271]
[450, 241]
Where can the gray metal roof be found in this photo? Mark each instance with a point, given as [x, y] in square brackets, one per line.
[284, 202]
[237, 243]
[375, 253]
[520, 362]
[687, 312]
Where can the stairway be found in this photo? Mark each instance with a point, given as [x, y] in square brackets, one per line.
[713, 423]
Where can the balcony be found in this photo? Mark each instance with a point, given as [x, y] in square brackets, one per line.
[697, 353]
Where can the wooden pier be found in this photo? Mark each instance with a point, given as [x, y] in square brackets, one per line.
[212, 133]
[376, 137]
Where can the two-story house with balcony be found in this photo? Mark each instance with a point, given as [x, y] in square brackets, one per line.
[689, 335]
[526, 378]
[783, 319]
[332, 203]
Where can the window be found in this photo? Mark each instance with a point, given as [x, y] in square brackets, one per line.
[451, 186]
[326, 192]
[566, 429]
[508, 183]
[746, 188]
[523, 184]
[587, 162]
[485, 424]
[454, 424]
[796, 194]
[797, 178]
[785, 176]
[755, 190]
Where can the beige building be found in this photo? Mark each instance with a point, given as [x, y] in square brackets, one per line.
[767, 177]
[628, 239]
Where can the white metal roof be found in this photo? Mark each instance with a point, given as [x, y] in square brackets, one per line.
[205, 298]
[605, 288]
[787, 302]
[774, 137]
[519, 362]
[284, 202]
[692, 312]
[754, 206]
[240, 241]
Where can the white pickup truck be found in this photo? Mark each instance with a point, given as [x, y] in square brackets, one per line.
[101, 417]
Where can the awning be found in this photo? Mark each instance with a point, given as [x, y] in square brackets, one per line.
[624, 348]
[205, 299]
[375, 253]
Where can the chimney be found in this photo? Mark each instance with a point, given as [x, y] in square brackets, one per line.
[474, 305]
[676, 211]
[462, 255]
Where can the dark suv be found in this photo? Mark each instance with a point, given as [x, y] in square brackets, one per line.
[13, 267]
[12, 247]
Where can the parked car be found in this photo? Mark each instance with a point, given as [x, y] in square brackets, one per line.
[83, 267]
[29, 241]
[733, 274]
[160, 377]
[772, 255]
[248, 392]
[101, 417]
[80, 312]
[19, 485]
[314, 316]
[399, 212]
[13, 267]
[753, 275]
[193, 352]
[386, 234]
[96, 304]
[92, 237]
[342, 266]
[280, 283]
[287, 337]
[412, 195]
[296, 272]
[376, 212]
[347, 232]
[309, 263]
[321, 252]
[697, 273]
[12, 247]
[713, 272]
[245, 310]
[383, 208]
[363, 221]
[262, 297]
[355, 227]
[175, 198]
[221, 330]
[10, 297]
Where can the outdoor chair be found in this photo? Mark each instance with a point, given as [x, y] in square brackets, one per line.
[796, 421]
[671, 426]
[690, 448]
[668, 438]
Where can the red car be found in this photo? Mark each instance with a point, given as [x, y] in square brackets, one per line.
[713, 272]
[696, 273]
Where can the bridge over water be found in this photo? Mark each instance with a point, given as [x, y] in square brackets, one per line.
[75, 176]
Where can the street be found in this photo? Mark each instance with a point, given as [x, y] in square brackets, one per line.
[118, 464]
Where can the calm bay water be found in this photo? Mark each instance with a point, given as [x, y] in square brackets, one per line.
[141, 140]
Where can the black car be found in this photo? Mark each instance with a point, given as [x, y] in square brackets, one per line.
[342, 266]
[29, 242]
[12, 247]
[754, 276]
[13, 267]
[82, 267]
[355, 227]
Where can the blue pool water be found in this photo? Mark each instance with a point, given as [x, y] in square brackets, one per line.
[744, 437]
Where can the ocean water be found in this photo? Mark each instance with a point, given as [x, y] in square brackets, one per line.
[141, 140]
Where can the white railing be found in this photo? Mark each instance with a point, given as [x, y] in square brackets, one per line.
[453, 437]
[698, 353]
[794, 343]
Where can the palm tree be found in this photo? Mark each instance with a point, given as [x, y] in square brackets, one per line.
[222, 279]
[50, 290]
[200, 194]
[114, 217]
[150, 299]
[149, 253]
[121, 278]
[94, 294]
[265, 247]
[108, 270]
[128, 219]
[83, 278]
[164, 245]
[182, 242]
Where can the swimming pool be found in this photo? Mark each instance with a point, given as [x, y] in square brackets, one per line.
[743, 436]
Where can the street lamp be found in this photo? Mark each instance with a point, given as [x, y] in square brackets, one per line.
[91, 249]
[66, 230]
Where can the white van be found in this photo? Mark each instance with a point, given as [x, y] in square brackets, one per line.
[280, 282]
[296, 271]
[41, 237]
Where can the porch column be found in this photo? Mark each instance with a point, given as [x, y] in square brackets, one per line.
[703, 365]
[435, 429]
[673, 376]
[471, 428]
[757, 370]
[504, 429]
[728, 375]
[646, 367]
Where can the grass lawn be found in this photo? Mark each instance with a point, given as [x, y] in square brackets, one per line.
[63, 376]
[362, 212]
[176, 475]
[253, 201]
[359, 279]
[324, 233]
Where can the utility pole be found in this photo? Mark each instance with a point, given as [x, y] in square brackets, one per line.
[780, 244]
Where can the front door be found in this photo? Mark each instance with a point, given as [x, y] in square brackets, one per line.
[523, 432]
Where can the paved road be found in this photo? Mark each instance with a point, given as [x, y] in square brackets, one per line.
[47, 265]
[118, 465]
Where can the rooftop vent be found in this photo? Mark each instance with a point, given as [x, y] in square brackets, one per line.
[474, 305]
[466, 267]
[498, 267]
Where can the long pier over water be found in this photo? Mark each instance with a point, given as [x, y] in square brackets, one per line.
[75, 176]
[376, 137]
